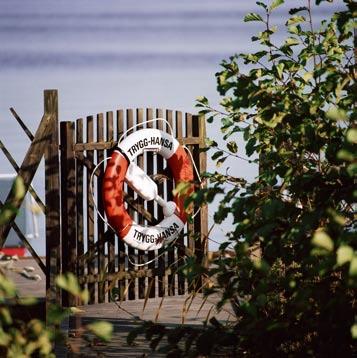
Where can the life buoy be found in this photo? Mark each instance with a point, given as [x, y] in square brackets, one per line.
[122, 168]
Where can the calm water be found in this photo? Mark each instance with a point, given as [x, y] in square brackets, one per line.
[103, 55]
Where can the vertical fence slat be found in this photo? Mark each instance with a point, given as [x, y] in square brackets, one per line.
[141, 254]
[79, 193]
[100, 223]
[131, 251]
[204, 210]
[197, 232]
[180, 241]
[90, 215]
[190, 225]
[171, 251]
[160, 169]
[109, 233]
[52, 186]
[150, 205]
[68, 205]
[121, 246]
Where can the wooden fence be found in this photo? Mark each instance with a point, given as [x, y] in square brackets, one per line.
[44, 143]
[77, 240]
[89, 248]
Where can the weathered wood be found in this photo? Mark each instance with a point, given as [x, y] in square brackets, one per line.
[79, 193]
[109, 234]
[28, 169]
[22, 124]
[121, 246]
[190, 223]
[161, 253]
[204, 209]
[68, 205]
[90, 213]
[17, 168]
[150, 206]
[100, 145]
[81, 147]
[129, 275]
[141, 254]
[131, 252]
[100, 223]
[171, 251]
[52, 199]
[180, 241]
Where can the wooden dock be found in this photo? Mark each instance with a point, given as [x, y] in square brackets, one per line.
[125, 316]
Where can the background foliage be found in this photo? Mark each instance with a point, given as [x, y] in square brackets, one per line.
[22, 337]
[295, 104]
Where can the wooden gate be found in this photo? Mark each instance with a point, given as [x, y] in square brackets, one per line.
[89, 248]
[77, 240]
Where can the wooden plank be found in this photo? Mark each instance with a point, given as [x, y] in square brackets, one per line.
[100, 223]
[180, 241]
[22, 124]
[171, 250]
[79, 193]
[52, 199]
[197, 234]
[17, 168]
[81, 147]
[28, 169]
[141, 254]
[100, 145]
[203, 216]
[131, 252]
[151, 208]
[161, 253]
[126, 275]
[68, 205]
[109, 233]
[121, 245]
[190, 224]
[90, 214]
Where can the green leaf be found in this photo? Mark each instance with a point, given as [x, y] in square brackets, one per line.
[344, 154]
[295, 20]
[344, 254]
[353, 267]
[217, 155]
[292, 41]
[322, 240]
[232, 146]
[103, 330]
[354, 331]
[295, 10]
[261, 4]
[275, 4]
[181, 189]
[69, 283]
[280, 69]
[352, 169]
[351, 135]
[307, 76]
[253, 17]
[336, 114]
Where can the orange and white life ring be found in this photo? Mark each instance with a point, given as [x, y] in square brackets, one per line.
[122, 168]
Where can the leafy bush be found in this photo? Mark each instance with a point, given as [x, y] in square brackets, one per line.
[295, 104]
[21, 337]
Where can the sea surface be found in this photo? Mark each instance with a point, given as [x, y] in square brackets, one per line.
[104, 55]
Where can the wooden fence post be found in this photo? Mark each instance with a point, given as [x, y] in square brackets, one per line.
[68, 206]
[52, 186]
